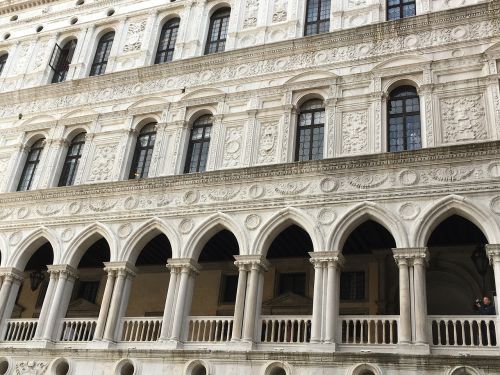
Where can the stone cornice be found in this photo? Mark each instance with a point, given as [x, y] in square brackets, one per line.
[147, 77]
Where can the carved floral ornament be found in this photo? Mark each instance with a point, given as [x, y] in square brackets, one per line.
[392, 44]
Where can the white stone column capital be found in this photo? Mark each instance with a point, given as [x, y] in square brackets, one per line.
[11, 273]
[183, 265]
[411, 255]
[63, 271]
[250, 262]
[118, 268]
[493, 252]
[327, 258]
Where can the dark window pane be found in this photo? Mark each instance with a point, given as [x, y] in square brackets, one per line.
[166, 45]
[72, 161]
[228, 288]
[352, 286]
[102, 54]
[199, 144]
[311, 122]
[31, 165]
[3, 61]
[292, 283]
[403, 123]
[317, 17]
[61, 59]
[397, 9]
[143, 152]
[217, 31]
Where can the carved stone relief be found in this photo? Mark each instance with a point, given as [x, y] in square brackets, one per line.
[267, 143]
[22, 58]
[251, 13]
[135, 32]
[463, 119]
[103, 162]
[232, 147]
[280, 12]
[354, 132]
[31, 368]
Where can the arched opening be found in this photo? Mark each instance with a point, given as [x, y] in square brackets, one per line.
[310, 131]
[4, 366]
[199, 370]
[61, 60]
[127, 369]
[143, 151]
[166, 43]
[217, 269]
[458, 272]
[151, 275]
[278, 371]
[87, 294]
[288, 287]
[403, 119]
[369, 286]
[217, 31]
[62, 368]
[72, 160]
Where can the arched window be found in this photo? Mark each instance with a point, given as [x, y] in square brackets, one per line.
[311, 124]
[397, 9]
[61, 59]
[404, 119]
[3, 61]
[143, 152]
[102, 54]
[72, 160]
[199, 143]
[217, 32]
[30, 165]
[317, 17]
[166, 45]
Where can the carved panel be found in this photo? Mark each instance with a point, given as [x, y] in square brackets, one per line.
[251, 13]
[267, 143]
[135, 33]
[280, 12]
[463, 118]
[233, 146]
[103, 162]
[354, 132]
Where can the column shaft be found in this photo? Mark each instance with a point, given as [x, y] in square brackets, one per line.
[317, 302]
[103, 311]
[55, 303]
[169, 305]
[114, 306]
[180, 304]
[404, 303]
[47, 302]
[420, 302]
[331, 315]
[239, 306]
[4, 294]
[251, 300]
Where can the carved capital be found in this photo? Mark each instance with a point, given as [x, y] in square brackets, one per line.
[327, 258]
[493, 252]
[258, 262]
[120, 268]
[11, 273]
[183, 265]
[63, 271]
[411, 255]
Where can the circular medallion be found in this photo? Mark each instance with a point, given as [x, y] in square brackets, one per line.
[74, 207]
[22, 212]
[411, 41]
[255, 191]
[408, 177]
[130, 203]
[328, 184]
[67, 234]
[409, 211]
[326, 216]
[495, 205]
[191, 197]
[252, 221]
[124, 230]
[186, 226]
[494, 170]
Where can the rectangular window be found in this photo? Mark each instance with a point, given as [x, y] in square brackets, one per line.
[229, 286]
[88, 290]
[352, 286]
[292, 282]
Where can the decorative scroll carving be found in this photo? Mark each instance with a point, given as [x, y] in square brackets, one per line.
[463, 118]
[251, 13]
[103, 162]
[232, 147]
[135, 33]
[267, 143]
[354, 132]
[280, 13]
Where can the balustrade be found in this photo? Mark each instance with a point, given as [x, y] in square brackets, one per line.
[369, 329]
[210, 329]
[286, 329]
[473, 331]
[78, 330]
[141, 329]
[20, 329]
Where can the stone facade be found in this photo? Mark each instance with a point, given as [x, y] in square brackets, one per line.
[252, 187]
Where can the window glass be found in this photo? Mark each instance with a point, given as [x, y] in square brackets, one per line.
[310, 131]
[166, 45]
[217, 31]
[404, 133]
[102, 54]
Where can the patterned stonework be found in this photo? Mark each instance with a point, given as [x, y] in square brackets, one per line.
[354, 132]
[103, 162]
[463, 119]
[135, 33]
[251, 13]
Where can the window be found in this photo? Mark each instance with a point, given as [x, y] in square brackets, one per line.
[102, 54]
[229, 287]
[61, 59]
[352, 286]
[404, 119]
[88, 290]
[317, 17]
[72, 160]
[30, 166]
[217, 32]
[292, 282]
[166, 45]
[311, 123]
[198, 145]
[143, 152]
[3, 61]
[397, 9]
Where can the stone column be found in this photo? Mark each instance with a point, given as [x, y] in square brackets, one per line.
[124, 271]
[49, 295]
[404, 329]
[420, 258]
[106, 300]
[317, 315]
[11, 280]
[187, 269]
[257, 265]
[166, 327]
[239, 306]
[335, 262]
[65, 277]
[493, 252]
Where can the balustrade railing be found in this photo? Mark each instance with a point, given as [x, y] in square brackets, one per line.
[285, 329]
[369, 329]
[78, 330]
[141, 329]
[20, 329]
[210, 329]
[472, 331]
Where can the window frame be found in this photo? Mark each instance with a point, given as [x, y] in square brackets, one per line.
[400, 5]
[310, 130]
[197, 124]
[105, 43]
[170, 26]
[64, 58]
[70, 168]
[223, 15]
[28, 163]
[3, 62]
[149, 149]
[318, 20]
[404, 115]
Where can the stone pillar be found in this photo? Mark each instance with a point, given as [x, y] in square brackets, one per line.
[404, 329]
[317, 315]
[420, 295]
[187, 269]
[253, 296]
[106, 300]
[11, 280]
[124, 271]
[166, 328]
[239, 307]
[65, 278]
[493, 252]
[42, 318]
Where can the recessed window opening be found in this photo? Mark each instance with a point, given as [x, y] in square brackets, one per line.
[110, 12]
[102, 54]
[62, 368]
[31, 165]
[4, 367]
[278, 371]
[166, 45]
[61, 60]
[199, 370]
[127, 369]
[217, 31]
[143, 152]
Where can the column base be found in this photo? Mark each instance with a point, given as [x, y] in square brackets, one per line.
[101, 344]
[170, 344]
[240, 345]
[324, 346]
[42, 343]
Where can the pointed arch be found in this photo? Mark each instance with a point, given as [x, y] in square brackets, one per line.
[463, 370]
[282, 220]
[28, 246]
[80, 244]
[211, 226]
[145, 233]
[362, 367]
[360, 213]
[445, 207]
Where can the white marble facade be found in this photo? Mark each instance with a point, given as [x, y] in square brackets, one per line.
[450, 52]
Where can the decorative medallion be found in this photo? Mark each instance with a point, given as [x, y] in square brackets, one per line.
[130, 203]
[252, 221]
[494, 170]
[495, 205]
[328, 184]
[74, 207]
[191, 197]
[292, 188]
[451, 174]
[102, 205]
[409, 211]
[186, 226]
[223, 194]
[22, 212]
[408, 177]
[15, 238]
[256, 191]
[368, 181]
[326, 216]
[48, 210]
[67, 234]
[162, 200]
[124, 230]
